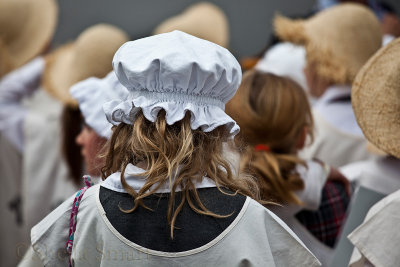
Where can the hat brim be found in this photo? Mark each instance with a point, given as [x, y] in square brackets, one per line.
[376, 99]
[203, 20]
[36, 34]
[59, 76]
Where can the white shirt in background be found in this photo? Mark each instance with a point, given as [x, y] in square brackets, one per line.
[381, 174]
[314, 178]
[14, 87]
[338, 140]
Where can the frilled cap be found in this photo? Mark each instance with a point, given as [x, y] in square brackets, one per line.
[91, 94]
[179, 73]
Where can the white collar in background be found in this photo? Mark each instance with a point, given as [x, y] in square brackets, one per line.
[133, 178]
[338, 114]
[333, 92]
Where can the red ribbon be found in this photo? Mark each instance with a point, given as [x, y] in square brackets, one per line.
[262, 147]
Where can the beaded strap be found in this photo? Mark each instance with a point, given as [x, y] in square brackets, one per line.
[74, 214]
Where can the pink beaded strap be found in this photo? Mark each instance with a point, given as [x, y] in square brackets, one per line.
[74, 214]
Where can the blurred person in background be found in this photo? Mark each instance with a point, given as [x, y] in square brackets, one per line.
[91, 94]
[389, 19]
[26, 31]
[38, 92]
[287, 60]
[338, 41]
[275, 118]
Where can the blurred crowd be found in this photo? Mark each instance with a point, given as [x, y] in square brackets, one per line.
[192, 157]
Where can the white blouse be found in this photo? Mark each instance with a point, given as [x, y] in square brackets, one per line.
[314, 178]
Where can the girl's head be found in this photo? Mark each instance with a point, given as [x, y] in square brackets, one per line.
[173, 121]
[70, 64]
[275, 118]
[271, 110]
[338, 41]
[91, 94]
[91, 145]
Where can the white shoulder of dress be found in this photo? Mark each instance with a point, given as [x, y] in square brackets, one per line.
[50, 235]
[287, 249]
[376, 239]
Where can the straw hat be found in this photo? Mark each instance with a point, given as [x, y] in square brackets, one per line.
[338, 40]
[90, 55]
[203, 20]
[376, 99]
[26, 28]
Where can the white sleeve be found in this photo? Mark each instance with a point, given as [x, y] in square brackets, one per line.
[13, 88]
[314, 177]
[49, 236]
[30, 259]
[387, 38]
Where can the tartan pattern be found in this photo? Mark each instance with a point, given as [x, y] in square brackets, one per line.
[74, 214]
[326, 222]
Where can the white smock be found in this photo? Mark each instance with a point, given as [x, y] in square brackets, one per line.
[314, 178]
[14, 235]
[30, 121]
[376, 240]
[338, 140]
[13, 88]
[256, 237]
[381, 174]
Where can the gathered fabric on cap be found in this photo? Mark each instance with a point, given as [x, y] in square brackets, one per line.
[91, 94]
[178, 73]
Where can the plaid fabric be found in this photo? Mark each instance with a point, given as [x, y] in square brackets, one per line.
[326, 222]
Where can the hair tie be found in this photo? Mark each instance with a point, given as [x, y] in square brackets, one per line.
[262, 147]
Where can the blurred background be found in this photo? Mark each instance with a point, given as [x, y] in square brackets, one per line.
[249, 21]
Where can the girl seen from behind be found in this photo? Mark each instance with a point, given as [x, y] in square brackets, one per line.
[169, 197]
[275, 119]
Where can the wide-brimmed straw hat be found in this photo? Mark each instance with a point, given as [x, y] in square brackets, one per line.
[376, 99]
[89, 56]
[203, 20]
[26, 29]
[338, 40]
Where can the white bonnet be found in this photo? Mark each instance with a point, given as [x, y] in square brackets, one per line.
[91, 94]
[285, 59]
[176, 72]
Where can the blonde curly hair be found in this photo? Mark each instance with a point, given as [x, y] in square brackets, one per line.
[176, 155]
